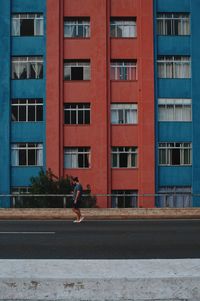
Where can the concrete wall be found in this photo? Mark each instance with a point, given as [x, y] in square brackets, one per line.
[100, 280]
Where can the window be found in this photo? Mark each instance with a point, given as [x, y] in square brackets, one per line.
[123, 70]
[175, 153]
[175, 109]
[77, 27]
[124, 157]
[124, 114]
[77, 113]
[174, 67]
[175, 197]
[27, 67]
[27, 110]
[20, 190]
[124, 198]
[27, 25]
[76, 70]
[27, 154]
[77, 157]
[123, 28]
[170, 24]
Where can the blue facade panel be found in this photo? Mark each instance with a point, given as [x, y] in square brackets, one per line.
[174, 45]
[5, 101]
[175, 176]
[31, 46]
[175, 131]
[32, 88]
[21, 175]
[27, 132]
[28, 6]
[174, 88]
[173, 6]
[195, 9]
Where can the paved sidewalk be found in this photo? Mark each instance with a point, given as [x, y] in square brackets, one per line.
[99, 213]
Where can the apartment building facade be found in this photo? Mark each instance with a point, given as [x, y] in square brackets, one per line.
[106, 90]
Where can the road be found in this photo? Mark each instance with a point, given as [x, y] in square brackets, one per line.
[142, 239]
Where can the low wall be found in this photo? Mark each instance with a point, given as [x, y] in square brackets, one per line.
[99, 213]
[100, 280]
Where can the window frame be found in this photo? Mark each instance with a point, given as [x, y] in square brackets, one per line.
[175, 103]
[116, 23]
[77, 64]
[116, 194]
[77, 23]
[26, 147]
[123, 70]
[26, 102]
[79, 107]
[173, 61]
[117, 153]
[132, 108]
[27, 61]
[166, 153]
[172, 18]
[76, 152]
[28, 16]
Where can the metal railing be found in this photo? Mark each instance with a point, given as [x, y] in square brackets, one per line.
[160, 200]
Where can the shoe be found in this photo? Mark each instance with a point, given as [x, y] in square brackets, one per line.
[81, 219]
[75, 221]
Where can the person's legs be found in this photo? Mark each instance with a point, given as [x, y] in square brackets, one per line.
[77, 212]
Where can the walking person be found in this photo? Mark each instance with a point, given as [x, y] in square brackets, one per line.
[77, 194]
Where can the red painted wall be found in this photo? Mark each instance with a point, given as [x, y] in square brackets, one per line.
[101, 92]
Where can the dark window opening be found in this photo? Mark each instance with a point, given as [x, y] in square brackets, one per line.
[27, 27]
[176, 157]
[77, 73]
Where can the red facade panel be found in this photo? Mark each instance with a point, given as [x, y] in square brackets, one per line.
[100, 136]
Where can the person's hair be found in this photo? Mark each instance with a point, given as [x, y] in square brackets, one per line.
[75, 179]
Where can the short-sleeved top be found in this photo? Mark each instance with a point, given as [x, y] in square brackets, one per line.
[78, 187]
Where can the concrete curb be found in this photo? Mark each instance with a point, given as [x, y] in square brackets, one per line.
[100, 280]
[100, 214]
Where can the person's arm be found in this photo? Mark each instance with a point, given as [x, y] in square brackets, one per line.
[77, 195]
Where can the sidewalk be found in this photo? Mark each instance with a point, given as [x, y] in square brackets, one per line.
[100, 214]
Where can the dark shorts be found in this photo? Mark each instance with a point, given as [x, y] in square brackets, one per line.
[77, 205]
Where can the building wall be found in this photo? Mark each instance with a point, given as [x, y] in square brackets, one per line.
[179, 88]
[100, 135]
[11, 132]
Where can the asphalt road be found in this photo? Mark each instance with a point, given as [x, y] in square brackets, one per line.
[100, 239]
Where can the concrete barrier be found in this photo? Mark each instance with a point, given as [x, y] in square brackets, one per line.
[100, 280]
[99, 213]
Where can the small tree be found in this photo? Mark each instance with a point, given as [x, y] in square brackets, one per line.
[47, 183]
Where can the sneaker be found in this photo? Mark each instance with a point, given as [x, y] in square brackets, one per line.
[75, 221]
[81, 219]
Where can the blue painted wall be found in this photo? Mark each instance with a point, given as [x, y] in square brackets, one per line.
[11, 132]
[5, 101]
[195, 12]
[175, 88]
[29, 132]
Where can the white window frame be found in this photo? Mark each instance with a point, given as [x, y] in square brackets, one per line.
[163, 20]
[16, 21]
[79, 107]
[175, 196]
[16, 148]
[169, 66]
[86, 69]
[126, 110]
[26, 62]
[72, 153]
[166, 153]
[127, 28]
[169, 109]
[132, 156]
[73, 25]
[123, 70]
[123, 194]
[27, 103]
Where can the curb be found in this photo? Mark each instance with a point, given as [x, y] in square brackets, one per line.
[101, 214]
